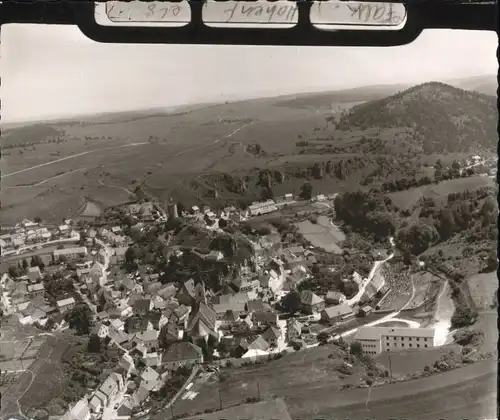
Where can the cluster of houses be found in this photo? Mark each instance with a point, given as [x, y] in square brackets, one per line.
[160, 327]
[29, 234]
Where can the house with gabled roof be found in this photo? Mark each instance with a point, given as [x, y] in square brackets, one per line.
[36, 290]
[201, 324]
[236, 308]
[258, 343]
[272, 335]
[257, 305]
[148, 338]
[311, 303]
[182, 354]
[265, 318]
[337, 313]
[142, 306]
[149, 379]
[335, 298]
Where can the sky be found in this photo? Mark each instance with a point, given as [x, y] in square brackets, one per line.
[55, 71]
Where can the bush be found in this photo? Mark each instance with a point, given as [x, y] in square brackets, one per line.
[356, 348]
[463, 317]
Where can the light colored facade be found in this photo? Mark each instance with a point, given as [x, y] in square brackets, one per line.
[65, 305]
[70, 253]
[375, 340]
[36, 290]
[262, 208]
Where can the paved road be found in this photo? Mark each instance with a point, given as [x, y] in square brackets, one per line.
[468, 392]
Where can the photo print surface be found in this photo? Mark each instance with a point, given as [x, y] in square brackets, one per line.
[247, 232]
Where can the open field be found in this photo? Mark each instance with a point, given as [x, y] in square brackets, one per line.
[487, 322]
[273, 409]
[183, 155]
[322, 234]
[284, 378]
[405, 362]
[469, 392]
[483, 288]
[408, 198]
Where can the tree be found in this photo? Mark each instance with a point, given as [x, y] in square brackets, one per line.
[130, 255]
[37, 219]
[25, 264]
[94, 344]
[306, 191]
[447, 224]
[222, 223]
[323, 337]
[356, 349]
[80, 319]
[463, 317]
[15, 272]
[36, 261]
[292, 302]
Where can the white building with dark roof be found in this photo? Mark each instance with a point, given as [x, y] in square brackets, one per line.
[375, 340]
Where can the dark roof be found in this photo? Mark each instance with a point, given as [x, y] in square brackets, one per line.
[265, 316]
[256, 305]
[339, 310]
[230, 316]
[142, 304]
[138, 323]
[309, 298]
[182, 351]
[205, 314]
[271, 332]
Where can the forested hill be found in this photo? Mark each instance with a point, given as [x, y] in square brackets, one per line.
[443, 118]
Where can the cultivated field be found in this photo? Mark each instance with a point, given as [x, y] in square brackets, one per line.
[284, 378]
[61, 165]
[408, 198]
[322, 234]
[483, 288]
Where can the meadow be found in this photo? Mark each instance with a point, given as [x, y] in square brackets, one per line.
[407, 199]
[322, 234]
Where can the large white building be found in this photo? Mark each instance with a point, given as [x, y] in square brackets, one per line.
[262, 208]
[375, 340]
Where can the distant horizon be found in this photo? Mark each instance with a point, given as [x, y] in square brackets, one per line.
[176, 107]
[53, 72]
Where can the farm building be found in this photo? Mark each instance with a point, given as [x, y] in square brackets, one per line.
[337, 313]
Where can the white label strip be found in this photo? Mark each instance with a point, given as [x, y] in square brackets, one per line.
[358, 14]
[333, 14]
[241, 13]
[139, 13]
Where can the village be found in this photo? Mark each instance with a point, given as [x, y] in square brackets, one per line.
[259, 313]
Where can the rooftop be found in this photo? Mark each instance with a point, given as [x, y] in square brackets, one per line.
[376, 333]
[182, 351]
